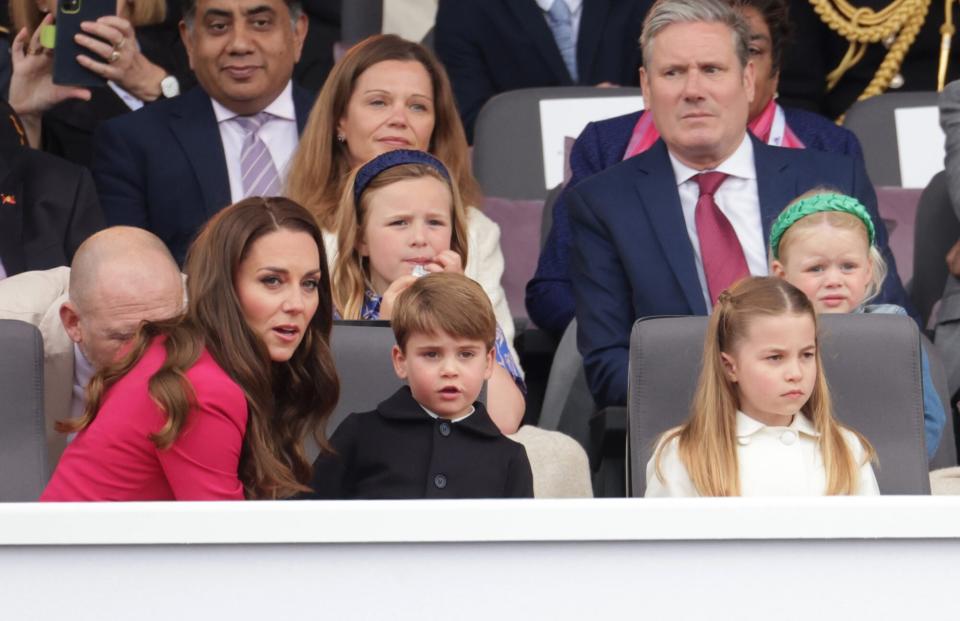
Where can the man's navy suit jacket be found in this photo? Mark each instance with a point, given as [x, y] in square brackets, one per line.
[632, 256]
[494, 46]
[163, 167]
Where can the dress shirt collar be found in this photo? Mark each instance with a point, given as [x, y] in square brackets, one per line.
[82, 368]
[281, 107]
[739, 164]
[747, 426]
[573, 5]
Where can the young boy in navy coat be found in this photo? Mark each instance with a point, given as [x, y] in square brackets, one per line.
[432, 438]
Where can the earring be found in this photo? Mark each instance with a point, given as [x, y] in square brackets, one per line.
[341, 138]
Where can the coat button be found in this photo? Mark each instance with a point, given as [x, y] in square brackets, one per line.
[440, 481]
[444, 429]
[788, 437]
[743, 440]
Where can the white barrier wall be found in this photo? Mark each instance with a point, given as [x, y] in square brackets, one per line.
[838, 558]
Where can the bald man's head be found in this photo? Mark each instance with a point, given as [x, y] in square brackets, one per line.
[119, 278]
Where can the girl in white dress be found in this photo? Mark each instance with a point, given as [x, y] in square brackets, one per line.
[761, 421]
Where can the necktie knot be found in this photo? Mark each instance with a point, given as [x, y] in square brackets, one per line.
[252, 124]
[709, 182]
[560, 12]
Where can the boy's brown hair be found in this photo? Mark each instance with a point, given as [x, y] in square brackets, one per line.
[444, 302]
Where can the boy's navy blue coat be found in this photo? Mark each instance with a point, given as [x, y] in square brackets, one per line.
[399, 451]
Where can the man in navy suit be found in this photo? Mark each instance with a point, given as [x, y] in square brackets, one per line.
[640, 245]
[494, 46]
[171, 165]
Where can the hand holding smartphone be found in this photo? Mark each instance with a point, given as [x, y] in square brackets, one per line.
[70, 13]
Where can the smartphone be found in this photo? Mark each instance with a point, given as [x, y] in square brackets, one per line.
[66, 69]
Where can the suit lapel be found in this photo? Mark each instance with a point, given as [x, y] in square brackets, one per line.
[657, 187]
[531, 20]
[592, 19]
[195, 127]
[776, 183]
[11, 213]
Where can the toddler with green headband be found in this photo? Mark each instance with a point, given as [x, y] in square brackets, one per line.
[823, 243]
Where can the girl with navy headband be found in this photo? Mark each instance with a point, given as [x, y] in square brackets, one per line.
[823, 243]
[400, 217]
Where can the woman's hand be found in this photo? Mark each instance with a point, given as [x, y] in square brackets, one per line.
[446, 261]
[953, 259]
[32, 91]
[389, 297]
[116, 57]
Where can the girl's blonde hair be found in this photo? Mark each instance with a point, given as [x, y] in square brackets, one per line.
[707, 442]
[321, 163]
[26, 14]
[838, 220]
[351, 273]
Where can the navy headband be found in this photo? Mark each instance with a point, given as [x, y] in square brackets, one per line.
[390, 159]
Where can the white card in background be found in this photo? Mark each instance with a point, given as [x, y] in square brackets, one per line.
[562, 118]
[920, 145]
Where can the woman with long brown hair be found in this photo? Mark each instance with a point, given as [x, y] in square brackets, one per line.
[216, 404]
[387, 93]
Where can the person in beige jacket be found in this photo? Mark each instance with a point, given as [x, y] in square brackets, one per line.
[120, 277]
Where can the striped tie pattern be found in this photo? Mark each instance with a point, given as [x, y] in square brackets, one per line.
[560, 20]
[257, 169]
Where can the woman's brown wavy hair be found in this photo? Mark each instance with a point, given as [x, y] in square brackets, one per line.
[321, 164]
[286, 400]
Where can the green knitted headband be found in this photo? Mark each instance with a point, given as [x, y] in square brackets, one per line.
[828, 201]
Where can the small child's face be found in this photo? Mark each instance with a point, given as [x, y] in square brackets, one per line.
[408, 224]
[831, 265]
[774, 367]
[445, 373]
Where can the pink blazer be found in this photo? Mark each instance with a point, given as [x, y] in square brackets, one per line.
[114, 458]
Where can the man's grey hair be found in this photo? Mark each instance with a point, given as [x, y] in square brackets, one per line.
[668, 12]
[189, 11]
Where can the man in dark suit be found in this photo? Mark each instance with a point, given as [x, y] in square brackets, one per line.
[655, 235]
[493, 46]
[171, 165]
[48, 206]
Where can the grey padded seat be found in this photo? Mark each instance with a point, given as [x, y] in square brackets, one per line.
[935, 232]
[507, 144]
[23, 449]
[872, 364]
[872, 120]
[567, 403]
[360, 19]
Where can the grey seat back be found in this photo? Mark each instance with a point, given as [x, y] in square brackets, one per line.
[936, 230]
[872, 363]
[872, 120]
[360, 19]
[567, 403]
[507, 143]
[23, 449]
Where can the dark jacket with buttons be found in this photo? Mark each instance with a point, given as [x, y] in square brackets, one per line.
[399, 451]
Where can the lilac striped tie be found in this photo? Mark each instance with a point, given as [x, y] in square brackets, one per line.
[257, 170]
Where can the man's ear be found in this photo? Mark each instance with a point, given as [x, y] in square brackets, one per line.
[71, 322]
[186, 36]
[399, 362]
[729, 366]
[749, 81]
[645, 88]
[300, 28]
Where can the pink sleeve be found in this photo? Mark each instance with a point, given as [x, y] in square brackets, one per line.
[202, 463]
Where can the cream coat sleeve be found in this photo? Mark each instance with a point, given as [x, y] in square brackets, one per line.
[676, 482]
[485, 265]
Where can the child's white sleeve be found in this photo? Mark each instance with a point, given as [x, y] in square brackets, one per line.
[676, 481]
